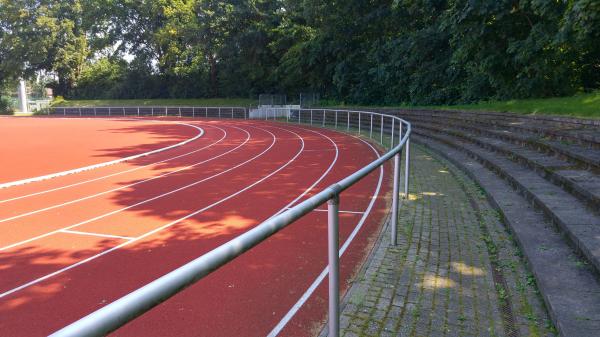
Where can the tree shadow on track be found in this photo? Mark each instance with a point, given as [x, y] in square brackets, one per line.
[68, 296]
[161, 135]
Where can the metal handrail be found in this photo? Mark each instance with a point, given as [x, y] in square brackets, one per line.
[127, 308]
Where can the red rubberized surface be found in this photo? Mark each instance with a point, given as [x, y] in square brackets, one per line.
[34, 149]
[73, 244]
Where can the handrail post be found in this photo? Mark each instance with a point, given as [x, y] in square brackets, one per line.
[407, 167]
[371, 130]
[392, 137]
[394, 225]
[336, 118]
[334, 265]
[323, 125]
[311, 117]
[219, 112]
[381, 134]
[359, 123]
[400, 133]
[348, 125]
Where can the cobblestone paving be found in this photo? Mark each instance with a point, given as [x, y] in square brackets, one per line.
[454, 272]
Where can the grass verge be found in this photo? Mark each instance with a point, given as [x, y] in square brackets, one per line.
[582, 105]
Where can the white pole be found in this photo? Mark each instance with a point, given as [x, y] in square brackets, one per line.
[23, 96]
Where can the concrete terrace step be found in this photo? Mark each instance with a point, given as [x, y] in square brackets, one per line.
[581, 155]
[579, 182]
[570, 289]
[580, 224]
[583, 132]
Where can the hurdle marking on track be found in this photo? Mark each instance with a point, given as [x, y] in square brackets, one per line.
[68, 231]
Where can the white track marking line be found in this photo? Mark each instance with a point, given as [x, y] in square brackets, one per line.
[143, 201]
[290, 314]
[112, 190]
[38, 280]
[97, 234]
[324, 210]
[117, 173]
[317, 181]
[104, 164]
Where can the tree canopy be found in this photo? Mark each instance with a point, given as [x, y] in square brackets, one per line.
[355, 51]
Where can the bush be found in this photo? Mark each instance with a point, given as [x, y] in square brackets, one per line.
[5, 107]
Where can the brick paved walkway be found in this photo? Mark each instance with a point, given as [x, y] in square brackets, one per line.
[454, 272]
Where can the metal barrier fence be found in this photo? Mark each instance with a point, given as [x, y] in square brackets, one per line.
[149, 111]
[391, 129]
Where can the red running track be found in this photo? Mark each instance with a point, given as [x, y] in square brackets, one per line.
[35, 149]
[72, 244]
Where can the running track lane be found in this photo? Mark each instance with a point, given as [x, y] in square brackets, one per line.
[151, 163]
[292, 258]
[67, 144]
[42, 218]
[158, 203]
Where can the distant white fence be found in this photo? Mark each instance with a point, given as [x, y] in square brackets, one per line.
[150, 111]
[272, 111]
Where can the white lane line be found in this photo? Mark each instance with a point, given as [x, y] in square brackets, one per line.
[38, 280]
[117, 173]
[311, 289]
[99, 165]
[286, 207]
[97, 234]
[112, 190]
[324, 210]
[141, 202]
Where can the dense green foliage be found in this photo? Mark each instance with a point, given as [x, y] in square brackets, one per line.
[358, 51]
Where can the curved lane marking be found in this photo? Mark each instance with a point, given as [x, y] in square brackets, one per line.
[116, 173]
[311, 289]
[104, 164]
[91, 196]
[156, 230]
[136, 204]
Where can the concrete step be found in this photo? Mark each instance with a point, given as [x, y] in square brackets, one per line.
[579, 182]
[586, 157]
[578, 222]
[582, 132]
[569, 287]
